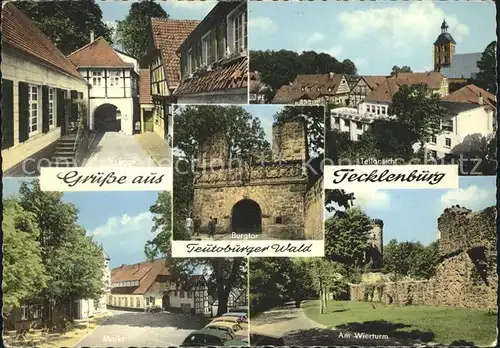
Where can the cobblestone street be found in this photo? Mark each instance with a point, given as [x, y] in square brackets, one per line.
[140, 329]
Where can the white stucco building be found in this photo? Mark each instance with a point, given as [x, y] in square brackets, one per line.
[113, 78]
[38, 82]
[470, 110]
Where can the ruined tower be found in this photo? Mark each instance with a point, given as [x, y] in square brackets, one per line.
[290, 140]
[376, 243]
[444, 48]
[213, 152]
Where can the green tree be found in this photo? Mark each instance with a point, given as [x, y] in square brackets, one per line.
[325, 273]
[244, 132]
[225, 275]
[338, 200]
[424, 263]
[486, 78]
[183, 197]
[270, 280]
[23, 272]
[346, 237]
[418, 109]
[278, 68]
[301, 283]
[67, 23]
[59, 236]
[162, 226]
[134, 32]
[404, 69]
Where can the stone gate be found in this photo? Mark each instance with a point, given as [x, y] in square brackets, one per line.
[268, 198]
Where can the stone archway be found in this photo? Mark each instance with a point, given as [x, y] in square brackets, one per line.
[107, 118]
[246, 217]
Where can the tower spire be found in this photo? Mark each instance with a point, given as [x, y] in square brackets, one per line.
[444, 26]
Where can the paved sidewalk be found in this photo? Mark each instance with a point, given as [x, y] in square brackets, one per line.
[156, 147]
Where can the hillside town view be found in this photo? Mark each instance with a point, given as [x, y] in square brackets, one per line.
[444, 113]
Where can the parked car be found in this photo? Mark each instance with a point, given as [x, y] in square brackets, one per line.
[211, 338]
[230, 319]
[239, 310]
[154, 309]
[234, 329]
[243, 316]
[260, 339]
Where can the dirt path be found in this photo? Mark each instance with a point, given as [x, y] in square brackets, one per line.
[283, 321]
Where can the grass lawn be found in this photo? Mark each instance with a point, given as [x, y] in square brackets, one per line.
[443, 325]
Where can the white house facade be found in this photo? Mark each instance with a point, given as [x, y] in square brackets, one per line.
[113, 78]
[37, 85]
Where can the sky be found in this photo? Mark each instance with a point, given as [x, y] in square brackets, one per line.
[113, 11]
[121, 220]
[375, 35]
[411, 215]
[265, 113]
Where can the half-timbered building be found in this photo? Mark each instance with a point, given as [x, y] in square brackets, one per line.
[214, 58]
[113, 78]
[148, 284]
[167, 36]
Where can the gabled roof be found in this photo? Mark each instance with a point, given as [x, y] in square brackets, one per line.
[256, 85]
[22, 34]
[309, 86]
[373, 81]
[463, 65]
[471, 94]
[145, 87]
[168, 34]
[432, 79]
[98, 53]
[386, 90]
[233, 75]
[145, 272]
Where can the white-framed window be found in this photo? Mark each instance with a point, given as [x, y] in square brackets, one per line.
[189, 63]
[114, 78]
[433, 140]
[24, 312]
[96, 78]
[206, 44]
[237, 23]
[447, 142]
[34, 109]
[181, 294]
[138, 302]
[52, 106]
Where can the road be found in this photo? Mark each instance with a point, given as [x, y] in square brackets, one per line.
[113, 149]
[139, 329]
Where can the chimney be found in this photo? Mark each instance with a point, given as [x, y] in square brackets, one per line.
[331, 74]
[480, 99]
[92, 36]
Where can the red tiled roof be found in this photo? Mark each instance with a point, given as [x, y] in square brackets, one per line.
[144, 272]
[145, 87]
[21, 33]
[386, 90]
[310, 86]
[168, 34]
[98, 53]
[471, 94]
[229, 76]
[433, 79]
[374, 81]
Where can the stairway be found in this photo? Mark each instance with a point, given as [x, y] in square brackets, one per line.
[64, 155]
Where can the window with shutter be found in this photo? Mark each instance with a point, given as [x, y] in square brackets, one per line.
[7, 114]
[24, 111]
[34, 110]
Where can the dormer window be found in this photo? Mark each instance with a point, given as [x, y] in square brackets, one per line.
[237, 29]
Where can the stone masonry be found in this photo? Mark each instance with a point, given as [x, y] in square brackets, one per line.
[270, 198]
[465, 277]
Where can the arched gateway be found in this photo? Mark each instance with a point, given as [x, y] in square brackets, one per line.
[106, 118]
[246, 217]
